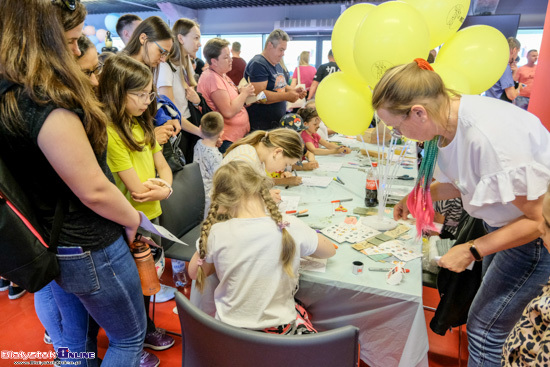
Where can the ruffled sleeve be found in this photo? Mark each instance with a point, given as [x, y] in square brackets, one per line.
[530, 180]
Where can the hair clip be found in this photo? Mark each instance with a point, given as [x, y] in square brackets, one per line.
[423, 64]
[200, 261]
[283, 225]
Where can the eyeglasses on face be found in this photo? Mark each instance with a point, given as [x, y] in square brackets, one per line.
[144, 97]
[395, 130]
[70, 4]
[96, 70]
[163, 52]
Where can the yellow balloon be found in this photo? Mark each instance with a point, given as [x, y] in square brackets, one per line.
[344, 103]
[480, 53]
[393, 33]
[342, 37]
[443, 17]
[453, 79]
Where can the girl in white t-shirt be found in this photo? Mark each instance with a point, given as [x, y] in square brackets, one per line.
[255, 252]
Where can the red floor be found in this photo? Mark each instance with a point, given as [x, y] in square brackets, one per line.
[21, 331]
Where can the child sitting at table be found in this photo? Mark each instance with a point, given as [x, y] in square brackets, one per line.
[255, 252]
[206, 154]
[312, 139]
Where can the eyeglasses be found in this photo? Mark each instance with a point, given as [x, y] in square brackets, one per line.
[395, 130]
[163, 52]
[145, 97]
[70, 4]
[95, 71]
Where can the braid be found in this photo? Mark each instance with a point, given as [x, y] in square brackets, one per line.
[288, 245]
[203, 240]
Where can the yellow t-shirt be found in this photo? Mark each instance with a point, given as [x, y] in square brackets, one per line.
[121, 158]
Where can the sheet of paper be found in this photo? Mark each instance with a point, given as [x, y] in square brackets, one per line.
[319, 181]
[289, 203]
[158, 230]
[351, 233]
[396, 248]
[312, 264]
[330, 166]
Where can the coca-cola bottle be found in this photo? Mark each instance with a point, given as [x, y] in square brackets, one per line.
[146, 268]
[371, 192]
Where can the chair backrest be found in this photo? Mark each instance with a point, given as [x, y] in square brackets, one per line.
[184, 210]
[209, 342]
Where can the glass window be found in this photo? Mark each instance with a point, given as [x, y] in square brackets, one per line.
[204, 39]
[294, 49]
[251, 44]
[530, 39]
[327, 45]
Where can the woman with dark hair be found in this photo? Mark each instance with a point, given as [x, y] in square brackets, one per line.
[52, 127]
[88, 60]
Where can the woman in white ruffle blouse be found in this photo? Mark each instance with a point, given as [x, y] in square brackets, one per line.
[496, 157]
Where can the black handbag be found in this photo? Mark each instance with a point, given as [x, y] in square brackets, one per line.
[173, 154]
[26, 258]
[457, 290]
[188, 140]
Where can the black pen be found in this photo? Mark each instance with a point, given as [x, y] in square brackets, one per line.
[302, 215]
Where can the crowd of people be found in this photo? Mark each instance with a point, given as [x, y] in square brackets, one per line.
[88, 126]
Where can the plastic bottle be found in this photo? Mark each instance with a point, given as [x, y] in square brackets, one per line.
[178, 273]
[371, 193]
[146, 268]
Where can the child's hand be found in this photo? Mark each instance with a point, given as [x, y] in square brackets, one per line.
[276, 195]
[286, 174]
[156, 192]
[163, 133]
[344, 150]
[310, 166]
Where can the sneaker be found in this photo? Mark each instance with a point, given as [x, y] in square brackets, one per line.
[4, 285]
[165, 294]
[148, 360]
[16, 292]
[47, 338]
[158, 340]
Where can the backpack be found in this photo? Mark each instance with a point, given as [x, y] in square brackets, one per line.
[25, 259]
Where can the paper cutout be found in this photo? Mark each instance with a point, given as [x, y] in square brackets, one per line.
[158, 230]
[318, 181]
[351, 233]
[289, 203]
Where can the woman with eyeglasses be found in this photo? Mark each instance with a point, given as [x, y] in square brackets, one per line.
[150, 44]
[88, 60]
[222, 95]
[53, 139]
[176, 80]
[500, 168]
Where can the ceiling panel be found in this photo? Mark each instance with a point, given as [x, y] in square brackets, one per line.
[128, 6]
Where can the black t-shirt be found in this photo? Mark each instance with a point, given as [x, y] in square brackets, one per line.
[325, 70]
[265, 116]
[81, 226]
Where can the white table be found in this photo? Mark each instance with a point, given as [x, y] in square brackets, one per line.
[390, 318]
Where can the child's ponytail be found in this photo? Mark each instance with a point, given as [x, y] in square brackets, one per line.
[288, 244]
[203, 240]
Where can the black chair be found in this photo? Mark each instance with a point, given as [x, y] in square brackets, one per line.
[209, 342]
[183, 212]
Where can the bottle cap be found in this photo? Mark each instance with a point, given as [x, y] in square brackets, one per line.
[374, 164]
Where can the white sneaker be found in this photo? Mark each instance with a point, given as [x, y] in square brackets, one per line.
[166, 293]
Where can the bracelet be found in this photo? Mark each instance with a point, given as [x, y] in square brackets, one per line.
[170, 193]
[196, 104]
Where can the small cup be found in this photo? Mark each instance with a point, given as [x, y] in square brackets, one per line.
[357, 267]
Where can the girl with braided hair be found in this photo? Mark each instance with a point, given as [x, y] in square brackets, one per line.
[255, 252]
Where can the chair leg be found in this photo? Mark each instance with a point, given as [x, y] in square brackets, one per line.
[460, 346]
[154, 303]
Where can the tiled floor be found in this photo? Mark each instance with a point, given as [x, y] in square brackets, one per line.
[21, 331]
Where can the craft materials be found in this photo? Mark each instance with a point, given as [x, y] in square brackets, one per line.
[351, 233]
[318, 181]
[302, 215]
[379, 269]
[302, 211]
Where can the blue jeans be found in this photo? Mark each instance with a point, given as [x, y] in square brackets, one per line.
[49, 315]
[512, 278]
[106, 283]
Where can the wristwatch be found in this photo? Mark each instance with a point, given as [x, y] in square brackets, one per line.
[474, 251]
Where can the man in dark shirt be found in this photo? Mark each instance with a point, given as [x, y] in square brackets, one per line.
[324, 70]
[266, 74]
[237, 64]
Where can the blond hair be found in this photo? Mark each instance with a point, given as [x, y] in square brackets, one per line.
[289, 140]
[406, 85]
[232, 183]
[304, 58]
[177, 55]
